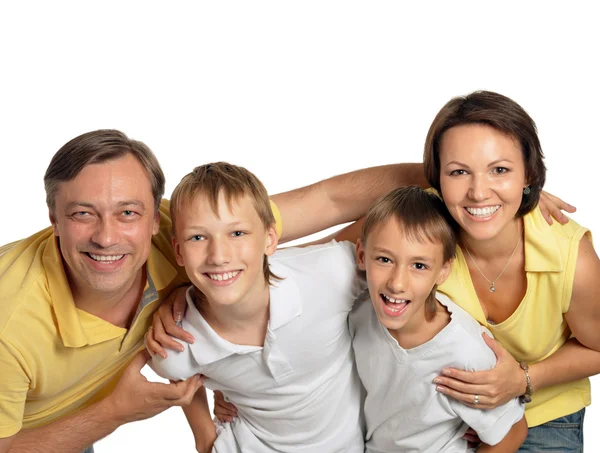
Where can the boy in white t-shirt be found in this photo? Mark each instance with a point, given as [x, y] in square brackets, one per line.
[408, 333]
[270, 333]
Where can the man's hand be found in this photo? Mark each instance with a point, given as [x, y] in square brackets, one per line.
[135, 398]
[552, 206]
[164, 325]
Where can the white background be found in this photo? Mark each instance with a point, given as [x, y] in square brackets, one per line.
[296, 92]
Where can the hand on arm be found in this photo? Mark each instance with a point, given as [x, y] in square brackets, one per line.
[552, 207]
[341, 199]
[164, 325]
[495, 387]
[134, 398]
[511, 442]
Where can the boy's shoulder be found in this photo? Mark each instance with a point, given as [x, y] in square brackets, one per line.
[465, 344]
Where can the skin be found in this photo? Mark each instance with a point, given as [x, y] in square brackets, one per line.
[229, 246]
[403, 269]
[107, 209]
[480, 166]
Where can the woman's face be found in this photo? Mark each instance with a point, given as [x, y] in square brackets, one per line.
[482, 177]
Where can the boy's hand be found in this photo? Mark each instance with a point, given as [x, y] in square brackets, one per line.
[552, 206]
[135, 398]
[223, 410]
[164, 325]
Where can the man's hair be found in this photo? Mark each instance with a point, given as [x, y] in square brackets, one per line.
[95, 148]
[234, 182]
[422, 216]
[504, 115]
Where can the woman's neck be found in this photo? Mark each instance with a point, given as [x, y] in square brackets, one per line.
[500, 246]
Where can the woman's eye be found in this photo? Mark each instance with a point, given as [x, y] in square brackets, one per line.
[458, 172]
[500, 170]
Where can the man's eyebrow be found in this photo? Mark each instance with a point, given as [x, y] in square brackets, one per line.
[132, 203]
[83, 204]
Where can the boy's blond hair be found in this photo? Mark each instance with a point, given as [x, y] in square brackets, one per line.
[422, 216]
[235, 182]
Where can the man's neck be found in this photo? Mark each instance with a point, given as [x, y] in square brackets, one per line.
[119, 307]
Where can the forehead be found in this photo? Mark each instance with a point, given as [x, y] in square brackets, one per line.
[477, 141]
[202, 208]
[113, 181]
[392, 235]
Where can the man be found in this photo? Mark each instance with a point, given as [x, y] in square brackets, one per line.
[77, 298]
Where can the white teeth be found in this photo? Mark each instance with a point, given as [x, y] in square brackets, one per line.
[394, 301]
[483, 212]
[224, 276]
[105, 258]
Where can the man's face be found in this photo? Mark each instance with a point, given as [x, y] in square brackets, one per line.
[223, 252]
[104, 219]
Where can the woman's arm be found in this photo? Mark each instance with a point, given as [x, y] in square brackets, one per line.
[576, 359]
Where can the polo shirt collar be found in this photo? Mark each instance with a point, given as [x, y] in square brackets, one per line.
[542, 254]
[78, 328]
[285, 305]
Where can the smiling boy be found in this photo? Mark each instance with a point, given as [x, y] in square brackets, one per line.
[270, 327]
[409, 333]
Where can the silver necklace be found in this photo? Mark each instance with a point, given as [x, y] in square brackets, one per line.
[492, 282]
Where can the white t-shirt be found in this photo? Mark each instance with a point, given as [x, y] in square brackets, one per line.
[403, 411]
[300, 391]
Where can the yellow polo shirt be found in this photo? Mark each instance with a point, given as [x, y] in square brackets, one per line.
[537, 328]
[55, 358]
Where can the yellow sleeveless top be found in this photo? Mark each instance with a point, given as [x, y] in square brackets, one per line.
[537, 328]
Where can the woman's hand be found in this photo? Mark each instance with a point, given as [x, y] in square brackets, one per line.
[492, 388]
[552, 206]
[164, 325]
[223, 410]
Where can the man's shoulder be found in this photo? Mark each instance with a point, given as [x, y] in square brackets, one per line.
[22, 273]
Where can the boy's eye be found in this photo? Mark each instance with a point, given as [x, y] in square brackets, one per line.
[196, 238]
[383, 259]
[420, 266]
[238, 233]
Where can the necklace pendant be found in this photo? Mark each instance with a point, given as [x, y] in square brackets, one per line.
[492, 288]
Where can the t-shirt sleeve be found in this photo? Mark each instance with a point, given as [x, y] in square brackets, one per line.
[490, 425]
[14, 385]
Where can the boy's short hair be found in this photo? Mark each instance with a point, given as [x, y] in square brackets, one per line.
[235, 182]
[423, 218]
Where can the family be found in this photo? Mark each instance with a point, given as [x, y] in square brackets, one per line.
[454, 315]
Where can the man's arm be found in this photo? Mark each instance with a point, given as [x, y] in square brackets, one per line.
[134, 398]
[198, 416]
[341, 199]
[511, 442]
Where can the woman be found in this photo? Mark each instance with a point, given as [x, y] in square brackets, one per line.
[534, 285]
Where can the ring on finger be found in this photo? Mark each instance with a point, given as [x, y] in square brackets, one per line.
[476, 399]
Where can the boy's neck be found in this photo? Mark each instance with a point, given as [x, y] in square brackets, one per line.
[421, 332]
[243, 323]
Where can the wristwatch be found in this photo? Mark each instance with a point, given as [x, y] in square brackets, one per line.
[526, 397]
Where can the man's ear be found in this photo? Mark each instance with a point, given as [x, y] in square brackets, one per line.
[444, 272]
[360, 254]
[272, 240]
[53, 223]
[177, 250]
